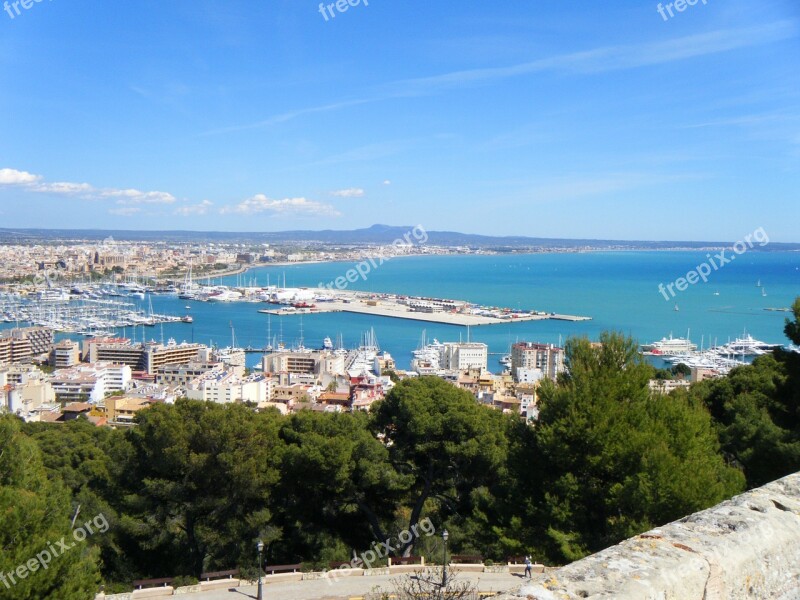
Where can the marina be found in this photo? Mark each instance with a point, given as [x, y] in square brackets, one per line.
[681, 351]
[81, 315]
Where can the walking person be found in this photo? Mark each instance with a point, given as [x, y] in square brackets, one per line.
[528, 567]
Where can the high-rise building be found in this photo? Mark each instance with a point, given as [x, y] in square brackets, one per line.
[65, 353]
[23, 343]
[144, 357]
[531, 362]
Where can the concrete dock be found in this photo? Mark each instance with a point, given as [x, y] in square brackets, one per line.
[459, 312]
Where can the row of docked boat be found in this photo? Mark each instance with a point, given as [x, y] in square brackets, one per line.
[84, 316]
[743, 346]
[718, 358]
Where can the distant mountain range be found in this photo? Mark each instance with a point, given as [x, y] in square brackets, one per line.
[377, 234]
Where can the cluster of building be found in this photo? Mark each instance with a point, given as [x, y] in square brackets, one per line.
[80, 258]
[465, 364]
[110, 379]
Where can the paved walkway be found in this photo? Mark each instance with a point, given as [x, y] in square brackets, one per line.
[347, 587]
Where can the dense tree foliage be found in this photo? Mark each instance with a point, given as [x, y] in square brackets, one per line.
[445, 441]
[36, 515]
[613, 459]
[338, 484]
[757, 411]
[199, 485]
[194, 485]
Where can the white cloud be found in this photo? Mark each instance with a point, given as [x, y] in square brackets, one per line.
[63, 188]
[194, 209]
[14, 177]
[137, 197]
[125, 211]
[349, 193]
[387, 182]
[287, 206]
[36, 183]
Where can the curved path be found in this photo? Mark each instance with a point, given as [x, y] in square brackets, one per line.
[347, 587]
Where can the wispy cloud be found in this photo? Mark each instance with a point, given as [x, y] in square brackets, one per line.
[609, 58]
[292, 114]
[125, 211]
[369, 152]
[580, 187]
[349, 193]
[285, 207]
[194, 209]
[597, 60]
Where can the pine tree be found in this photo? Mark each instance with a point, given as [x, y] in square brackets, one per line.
[41, 559]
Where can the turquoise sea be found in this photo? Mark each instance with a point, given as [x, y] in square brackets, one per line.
[619, 290]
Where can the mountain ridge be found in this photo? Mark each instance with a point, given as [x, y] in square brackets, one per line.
[375, 234]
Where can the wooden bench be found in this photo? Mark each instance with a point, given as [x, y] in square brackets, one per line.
[219, 575]
[406, 560]
[150, 583]
[272, 569]
[466, 558]
[516, 560]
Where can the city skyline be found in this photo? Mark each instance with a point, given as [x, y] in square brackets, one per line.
[605, 122]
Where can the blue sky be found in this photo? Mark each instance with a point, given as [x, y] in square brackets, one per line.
[556, 119]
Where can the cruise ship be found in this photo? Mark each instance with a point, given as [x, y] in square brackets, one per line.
[669, 346]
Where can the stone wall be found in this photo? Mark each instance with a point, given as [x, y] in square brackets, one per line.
[747, 547]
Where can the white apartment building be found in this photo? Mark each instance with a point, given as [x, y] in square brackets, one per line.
[94, 381]
[227, 386]
[23, 389]
[462, 356]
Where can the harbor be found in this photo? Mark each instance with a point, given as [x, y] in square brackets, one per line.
[530, 287]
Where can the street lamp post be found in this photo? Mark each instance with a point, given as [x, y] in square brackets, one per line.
[260, 546]
[445, 535]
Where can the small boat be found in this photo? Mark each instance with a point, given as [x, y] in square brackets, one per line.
[187, 307]
[676, 308]
[716, 293]
[764, 292]
[758, 283]
[187, 319]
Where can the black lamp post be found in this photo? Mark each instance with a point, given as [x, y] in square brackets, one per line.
[260, 546]
[445, 535]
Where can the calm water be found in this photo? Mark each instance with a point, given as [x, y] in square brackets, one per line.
[618, 289]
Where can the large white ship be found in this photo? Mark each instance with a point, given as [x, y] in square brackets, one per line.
[669, 346]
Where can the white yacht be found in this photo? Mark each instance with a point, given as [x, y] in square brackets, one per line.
[746, 346]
